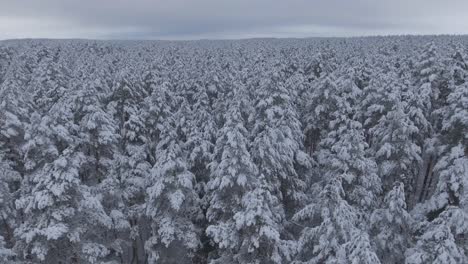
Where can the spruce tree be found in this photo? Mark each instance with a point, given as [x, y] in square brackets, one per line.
[277, 146]
[171, 201]
[391, 226]
[242, 213]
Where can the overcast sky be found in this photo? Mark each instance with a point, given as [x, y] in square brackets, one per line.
[195, 19]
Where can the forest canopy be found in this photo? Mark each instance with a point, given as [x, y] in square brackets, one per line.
[322, 150]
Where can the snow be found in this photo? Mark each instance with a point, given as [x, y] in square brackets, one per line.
[256, 151]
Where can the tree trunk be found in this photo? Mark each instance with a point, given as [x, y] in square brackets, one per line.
[427, 176]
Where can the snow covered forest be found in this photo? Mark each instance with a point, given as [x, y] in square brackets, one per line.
[326, 150]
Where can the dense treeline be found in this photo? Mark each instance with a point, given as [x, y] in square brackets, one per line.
[255, 151]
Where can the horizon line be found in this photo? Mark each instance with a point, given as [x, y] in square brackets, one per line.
[238, 39]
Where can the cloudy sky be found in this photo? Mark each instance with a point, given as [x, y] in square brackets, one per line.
[196, 19]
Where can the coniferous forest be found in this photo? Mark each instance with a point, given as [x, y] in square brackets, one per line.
[265, 151]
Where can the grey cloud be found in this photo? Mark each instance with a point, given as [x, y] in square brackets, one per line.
[219, 18]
